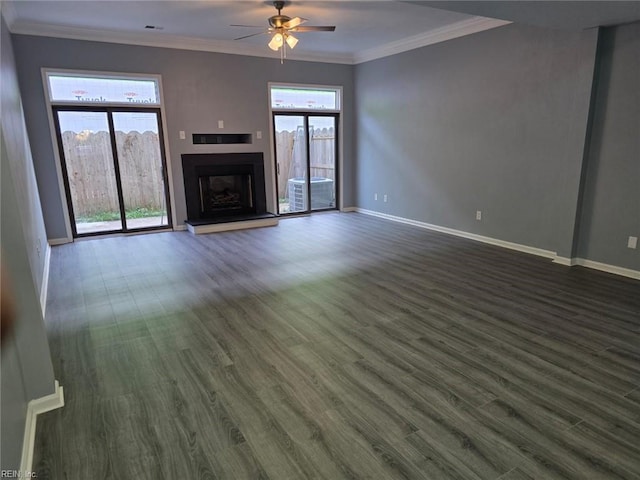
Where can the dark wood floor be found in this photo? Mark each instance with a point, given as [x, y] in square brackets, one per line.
[337, 346]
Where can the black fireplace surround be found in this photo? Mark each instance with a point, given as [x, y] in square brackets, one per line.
[223, 186]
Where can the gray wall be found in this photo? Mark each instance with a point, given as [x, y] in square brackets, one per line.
[200, 88]
[611, 205]
[27, 372]
[494, 121]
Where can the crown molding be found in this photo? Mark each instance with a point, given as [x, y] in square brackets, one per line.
[9, 13]
[442, 34]
[155, 39]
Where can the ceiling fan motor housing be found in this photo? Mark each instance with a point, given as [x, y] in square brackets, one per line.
[277, 20]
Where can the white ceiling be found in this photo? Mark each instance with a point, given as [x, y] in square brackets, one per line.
[364, 29]
[566, 15]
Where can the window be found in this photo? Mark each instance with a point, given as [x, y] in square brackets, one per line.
[296, 98]
[102, 89]
[307, 143]
[112, 167]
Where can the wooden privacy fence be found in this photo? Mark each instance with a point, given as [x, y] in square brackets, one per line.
[91, 172]
[92, 180]
[290, 148]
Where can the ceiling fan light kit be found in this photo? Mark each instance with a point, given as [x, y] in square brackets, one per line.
[281, 27]
[292, 41]
[276, 42]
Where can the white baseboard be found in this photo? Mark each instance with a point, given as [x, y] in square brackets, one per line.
[44, 288]
[59, 241]
[566, 261]
[459, 233]
[179, 228]
[570, 262]
[605, 267]
[349, 209]
[35, 408]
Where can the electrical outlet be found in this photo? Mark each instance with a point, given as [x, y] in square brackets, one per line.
[220, 123]
[259, 134]
[478, 214]
[182, 135]
[375, 197]
[633, 242]
[385, 198]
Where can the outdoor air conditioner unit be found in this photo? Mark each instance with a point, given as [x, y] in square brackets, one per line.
[322, 195]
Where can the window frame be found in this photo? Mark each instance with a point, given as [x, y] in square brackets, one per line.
[49, 72]
[340, 133]
[320, 88]
[54, 141]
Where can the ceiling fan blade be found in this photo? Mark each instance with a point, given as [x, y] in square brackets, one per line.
[252, 26]
[315, 29]
[252, 35]
[294, 22]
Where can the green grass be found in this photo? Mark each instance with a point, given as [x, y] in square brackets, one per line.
[140, 212]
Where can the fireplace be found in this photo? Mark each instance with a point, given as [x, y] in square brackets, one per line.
[225, 193]
[223, 187]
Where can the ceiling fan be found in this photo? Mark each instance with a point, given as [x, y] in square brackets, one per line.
[282, 27]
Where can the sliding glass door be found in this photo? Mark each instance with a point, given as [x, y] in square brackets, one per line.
[291, 158]
[91, 181]
[306, 161]
[114, 169]
[322, 161]
[141, 162]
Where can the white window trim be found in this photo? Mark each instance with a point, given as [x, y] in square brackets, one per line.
[299, 86]
[272, 141]
[45, 72]
[91, 74]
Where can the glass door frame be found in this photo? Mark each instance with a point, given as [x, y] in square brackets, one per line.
[114, 153]
[336, 146]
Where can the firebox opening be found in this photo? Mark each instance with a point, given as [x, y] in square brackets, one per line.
[226, 193]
